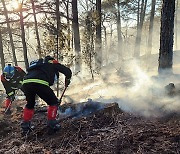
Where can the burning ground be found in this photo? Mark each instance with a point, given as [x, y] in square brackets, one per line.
[102, 129]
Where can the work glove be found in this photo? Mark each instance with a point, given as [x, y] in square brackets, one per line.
[67, 82]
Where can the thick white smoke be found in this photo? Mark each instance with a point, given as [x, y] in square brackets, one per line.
[132, 87]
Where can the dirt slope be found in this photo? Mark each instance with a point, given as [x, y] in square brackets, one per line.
[108, 131]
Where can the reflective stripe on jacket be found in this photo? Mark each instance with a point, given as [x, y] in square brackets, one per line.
[36, 81]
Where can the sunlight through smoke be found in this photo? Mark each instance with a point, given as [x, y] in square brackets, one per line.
[142, 80]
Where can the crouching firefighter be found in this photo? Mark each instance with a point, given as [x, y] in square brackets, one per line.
[11, 79]
[41, 75]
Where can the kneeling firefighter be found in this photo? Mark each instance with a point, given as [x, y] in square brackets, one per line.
[41, 75]
[11, 79]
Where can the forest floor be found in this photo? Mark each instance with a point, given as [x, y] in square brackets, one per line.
[108, 130]
[103, 128]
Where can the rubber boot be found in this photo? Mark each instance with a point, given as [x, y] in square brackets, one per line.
[26, 124]
[26, 128]
[53, 127]
[8, 106]
[52, 124]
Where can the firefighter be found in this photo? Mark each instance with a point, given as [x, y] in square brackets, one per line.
[11, 79]
[42, 74]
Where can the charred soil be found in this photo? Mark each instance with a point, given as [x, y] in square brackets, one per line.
[106, 131]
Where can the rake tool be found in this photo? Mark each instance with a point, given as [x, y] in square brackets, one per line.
[62, 95]
[58, 112]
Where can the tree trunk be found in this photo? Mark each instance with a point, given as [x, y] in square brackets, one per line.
[76, 37]
[1, 52]
[98, 56]
[58, 28]
[105, 45]
[89, 43]
[68, 24]
[153, 4]
[138, 12]
[23, 40]
[176, 26]
[57, 37]
[36, 30]
[120, 42]
[139, 29]
[166, 37]
[10, 33]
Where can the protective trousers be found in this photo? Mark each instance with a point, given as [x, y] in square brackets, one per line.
[45, 93]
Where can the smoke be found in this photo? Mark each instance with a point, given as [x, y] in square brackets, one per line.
[80, 109]
[135, 90]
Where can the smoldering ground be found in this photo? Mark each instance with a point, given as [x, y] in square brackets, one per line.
[135, 90]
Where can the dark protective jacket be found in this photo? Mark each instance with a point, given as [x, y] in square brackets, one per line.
[46, 73]
[15, 82]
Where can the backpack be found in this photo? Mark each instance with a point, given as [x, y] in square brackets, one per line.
[35, 64]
